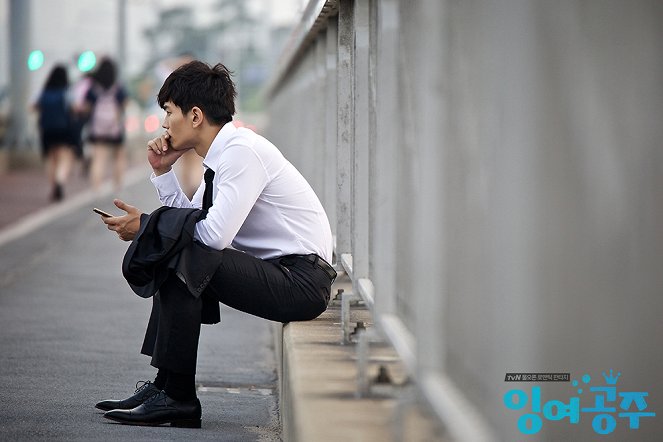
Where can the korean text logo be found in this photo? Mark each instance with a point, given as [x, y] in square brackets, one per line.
[603, 414]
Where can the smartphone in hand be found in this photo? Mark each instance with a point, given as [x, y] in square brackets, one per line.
[102, 213]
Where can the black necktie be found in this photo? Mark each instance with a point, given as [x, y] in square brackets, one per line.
[207, 196]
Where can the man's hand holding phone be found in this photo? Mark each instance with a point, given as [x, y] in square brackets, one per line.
[126, 226]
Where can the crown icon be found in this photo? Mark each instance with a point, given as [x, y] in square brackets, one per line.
[611, 380]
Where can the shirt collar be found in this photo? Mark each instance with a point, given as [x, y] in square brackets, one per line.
[211, 160]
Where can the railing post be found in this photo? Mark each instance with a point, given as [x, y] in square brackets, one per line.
[345, 118]
[319, 135]
[384, 158]
[331, 85]
[361, 151]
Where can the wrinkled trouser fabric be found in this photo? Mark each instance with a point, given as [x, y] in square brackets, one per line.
[284, 290]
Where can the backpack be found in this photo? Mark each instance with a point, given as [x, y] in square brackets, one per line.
[106, 120]
[53, 110]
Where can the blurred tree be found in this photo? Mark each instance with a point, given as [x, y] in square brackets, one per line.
[238, 25]
[174, 34]
[230, 38]
[232, 13]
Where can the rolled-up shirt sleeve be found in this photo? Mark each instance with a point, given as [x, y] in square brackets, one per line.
[239, 180]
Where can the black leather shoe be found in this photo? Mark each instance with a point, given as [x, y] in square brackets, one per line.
[159, 410]
[142, 393]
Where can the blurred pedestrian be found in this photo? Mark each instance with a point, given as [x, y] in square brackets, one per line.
[80, 117]
[106, 100]
[53, 105]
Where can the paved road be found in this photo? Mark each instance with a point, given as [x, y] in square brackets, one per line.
[70, 334]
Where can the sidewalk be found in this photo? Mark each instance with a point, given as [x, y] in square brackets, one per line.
[26, 190]
[25, 197]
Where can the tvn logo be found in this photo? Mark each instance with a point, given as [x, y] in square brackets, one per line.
[537, 377]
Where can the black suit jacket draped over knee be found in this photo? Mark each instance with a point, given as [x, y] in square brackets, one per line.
[165, 244]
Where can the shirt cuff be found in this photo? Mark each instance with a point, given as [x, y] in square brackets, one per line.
[165, 184]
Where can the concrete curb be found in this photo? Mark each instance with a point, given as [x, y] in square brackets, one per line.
[318, 396]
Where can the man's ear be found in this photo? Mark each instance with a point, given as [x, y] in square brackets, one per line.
[197, 116]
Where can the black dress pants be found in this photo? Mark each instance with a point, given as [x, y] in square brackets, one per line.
[284, 289]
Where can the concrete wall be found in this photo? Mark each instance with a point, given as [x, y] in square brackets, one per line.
[508, 173]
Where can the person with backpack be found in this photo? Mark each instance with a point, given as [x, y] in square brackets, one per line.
[106, 99]
[55, 129]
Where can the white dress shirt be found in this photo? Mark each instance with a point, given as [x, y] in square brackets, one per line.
[262, 204]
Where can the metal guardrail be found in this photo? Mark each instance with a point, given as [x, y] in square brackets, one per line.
[313, 22]
[332, 58]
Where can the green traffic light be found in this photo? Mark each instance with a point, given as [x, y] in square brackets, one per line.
[86, 61]
[35, 60]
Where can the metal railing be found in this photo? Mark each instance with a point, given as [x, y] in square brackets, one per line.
[468, 156]
[343, 130]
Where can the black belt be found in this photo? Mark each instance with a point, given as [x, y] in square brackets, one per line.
[318, 262]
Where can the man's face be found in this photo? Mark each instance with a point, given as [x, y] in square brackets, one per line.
[178, 126]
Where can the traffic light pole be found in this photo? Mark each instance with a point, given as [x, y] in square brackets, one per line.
[19, 45]
[122, 36]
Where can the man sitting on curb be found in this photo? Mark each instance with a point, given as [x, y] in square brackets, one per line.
[260, 244]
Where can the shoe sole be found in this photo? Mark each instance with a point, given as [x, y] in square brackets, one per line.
[181, 423]
[108, 408]
[111, 408]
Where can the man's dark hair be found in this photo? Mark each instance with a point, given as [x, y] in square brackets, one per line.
[198, 84]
